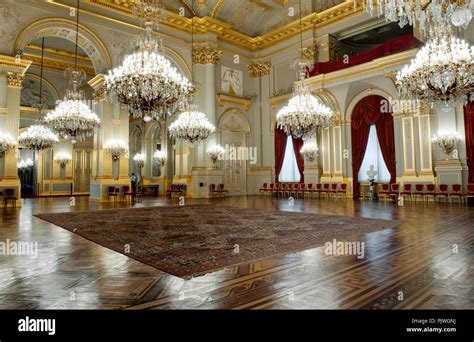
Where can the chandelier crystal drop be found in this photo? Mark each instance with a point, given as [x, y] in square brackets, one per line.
[191, 126]
[147, 82]
[37, 137]
[6, 142]
[424, 16]
[440, 73]
[303, 114]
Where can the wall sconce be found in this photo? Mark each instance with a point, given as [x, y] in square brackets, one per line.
[446, 141]
[6, 143]
[63, 159]
[160, 156]
[215, 152]
[139, 159]
[310, 151]
[116, 149]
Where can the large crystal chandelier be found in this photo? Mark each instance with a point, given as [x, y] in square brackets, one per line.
[146, 81]
[424, 14]
[6, 143]
[191, 126]
[441, 72]
[304, 113]
[38, 137]
[72, 118]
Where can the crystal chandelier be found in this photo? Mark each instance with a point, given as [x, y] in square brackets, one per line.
[446, 140]
[160, 157]
[63, 159]
[215, 152]
[139, 158]
[37, 138]
[440, 73]
[415, 13]
[72, 118]
[146, 81]
[116, 149]
[191, 126]
[304, 113]
[6, 143]
[309, 151]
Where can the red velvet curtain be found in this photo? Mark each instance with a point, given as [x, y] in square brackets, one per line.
[469, 128]
[367, 112]
[297, 146]
[280, 147]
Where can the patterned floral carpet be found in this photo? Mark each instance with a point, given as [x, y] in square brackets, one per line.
[197, 239]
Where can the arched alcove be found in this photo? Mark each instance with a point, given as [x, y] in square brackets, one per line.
[66, 29]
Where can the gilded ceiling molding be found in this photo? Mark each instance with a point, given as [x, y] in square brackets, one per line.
[206, 55]
[225, 31]
[259, 69]
[59, 52]
[57, 64]
[15, 80]
[217, 7]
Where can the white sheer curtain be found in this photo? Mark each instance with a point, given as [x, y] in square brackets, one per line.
[373, 156]
[289, 170]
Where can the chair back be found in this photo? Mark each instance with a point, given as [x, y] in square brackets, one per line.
[407, 187]
[125, 188]
[310, 186]
[302, 186]
[9, 192]
[213, 187]
[318, 186]
[343, 186]
[385, 187]
[111, 189]
[221, 186]
[419, 187]
[334, 186]
[470, 188]
[326, 186]
[431, 187]
[443, 188]
[265, 185]
[395, 187]
[457, 188]
[272, 186]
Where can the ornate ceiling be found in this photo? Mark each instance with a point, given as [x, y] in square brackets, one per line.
[251, 17]
[251, 24]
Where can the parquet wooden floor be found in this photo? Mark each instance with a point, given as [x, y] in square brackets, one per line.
[425, 263]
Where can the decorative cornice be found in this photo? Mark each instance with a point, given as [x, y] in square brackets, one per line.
[206, 55]
[224, 98]
[57, 64]
[98, 84]
[59, 52]
[259, 69]
[226, 33]
[15, 80]
[12, 64]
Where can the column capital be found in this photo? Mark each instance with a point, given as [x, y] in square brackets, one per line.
[206, 55]
[259, 69]
[98, 84]
[15, 80]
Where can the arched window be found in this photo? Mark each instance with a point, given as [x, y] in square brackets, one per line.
[373, 156]
[289, 171]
